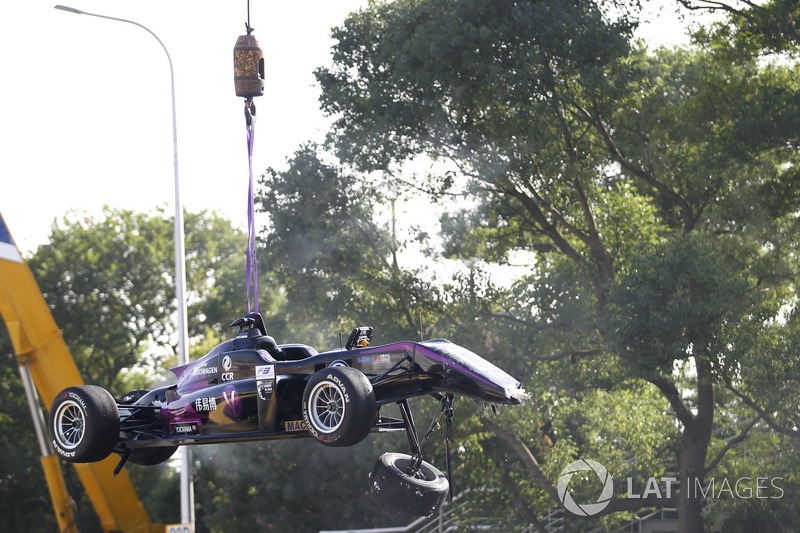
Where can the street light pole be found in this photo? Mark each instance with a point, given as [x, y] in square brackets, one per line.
[187, 492]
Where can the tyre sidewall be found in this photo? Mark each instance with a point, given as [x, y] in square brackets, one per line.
[359, 406]
[100, 423]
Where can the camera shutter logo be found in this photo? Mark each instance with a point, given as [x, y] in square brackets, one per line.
[585, 509]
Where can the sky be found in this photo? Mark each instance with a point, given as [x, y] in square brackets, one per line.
[86, 115]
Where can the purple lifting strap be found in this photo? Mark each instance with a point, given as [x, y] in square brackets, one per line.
[252, 267]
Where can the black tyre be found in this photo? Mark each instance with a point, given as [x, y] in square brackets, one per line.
[339, 406]
[420, 494]
[84, 424]
[151, 456]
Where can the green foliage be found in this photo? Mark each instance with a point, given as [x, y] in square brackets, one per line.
[158, 488]
[105, 282]
[110, 286]
[336, 265]
[760, 28]
[676, 301]
[432, 75]
[287, 486]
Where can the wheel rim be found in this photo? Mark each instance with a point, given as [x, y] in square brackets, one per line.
[327, 407]
[70, 424]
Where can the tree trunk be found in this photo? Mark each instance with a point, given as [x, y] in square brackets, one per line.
[694, 450]
[694, 447]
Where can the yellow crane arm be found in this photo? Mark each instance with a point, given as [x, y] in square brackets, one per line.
[43, 355]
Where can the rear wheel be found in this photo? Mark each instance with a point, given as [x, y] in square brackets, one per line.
[339, 406]
[151, 456]
[84, 424]
[419, 493]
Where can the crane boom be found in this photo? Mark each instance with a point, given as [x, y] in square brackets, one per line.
[43, 355]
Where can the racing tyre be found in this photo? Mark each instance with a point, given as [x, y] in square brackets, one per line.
[151, 456]
[339, 406]
[419, 494]
[84, 424]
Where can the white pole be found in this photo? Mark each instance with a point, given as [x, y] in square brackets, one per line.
[187, 492]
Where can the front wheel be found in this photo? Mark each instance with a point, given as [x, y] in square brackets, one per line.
[84, 424]
[339, 406]
[419, 493]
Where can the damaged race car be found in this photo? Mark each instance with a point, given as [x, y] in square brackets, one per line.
[250, 388]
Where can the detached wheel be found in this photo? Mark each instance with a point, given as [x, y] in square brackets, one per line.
[421, 493]
[339, 406]
[84, 424]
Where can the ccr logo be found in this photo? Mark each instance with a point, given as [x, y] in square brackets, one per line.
[585, 509]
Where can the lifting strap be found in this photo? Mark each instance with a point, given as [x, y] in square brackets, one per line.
[252, 264]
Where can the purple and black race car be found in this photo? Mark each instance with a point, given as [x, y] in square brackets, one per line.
[250, 388]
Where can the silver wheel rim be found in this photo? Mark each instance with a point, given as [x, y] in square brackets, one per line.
[327, 407]
[70, 424]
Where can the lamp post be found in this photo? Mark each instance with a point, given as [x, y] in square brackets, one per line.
[187, 493]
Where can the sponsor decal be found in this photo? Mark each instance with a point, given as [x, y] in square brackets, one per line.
[226, 363]
[265, 372]
[342, 387]
[184, 428]
[338, 362]
[61, 451]
[232, 401]
[309, 426]
[78, 400]
[265, 389]
[226, 376]
[205, 404]
[295, 425]
[379, 358]
[204, 370]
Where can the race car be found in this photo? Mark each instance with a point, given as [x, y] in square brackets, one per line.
[250, 388]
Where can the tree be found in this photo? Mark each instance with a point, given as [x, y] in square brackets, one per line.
[335, 263]
[769, 26]
[579, 146]
[111, 288]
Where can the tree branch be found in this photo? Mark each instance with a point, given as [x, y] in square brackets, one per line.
[643, 173]
[525, 454]
[670, 391]
[771, 422]
[565, 354]
[730, 444]
[549, 229]
[714, 5]
[616, 505]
